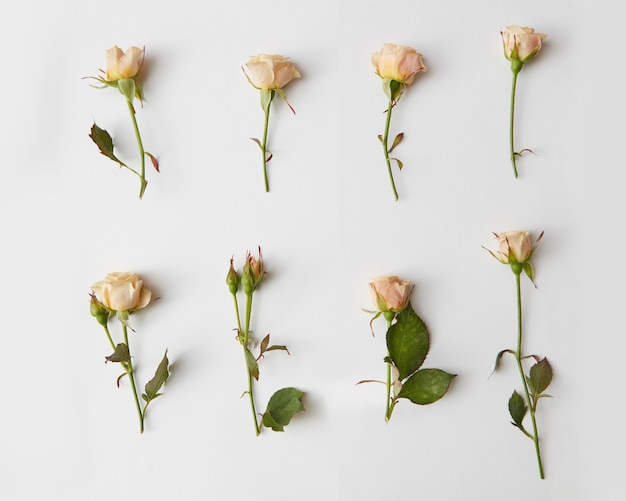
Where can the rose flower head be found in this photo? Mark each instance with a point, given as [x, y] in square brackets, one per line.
[121, 65]
[390, 293]
[516, 249]
[515, 246]
[521, 43]
[270, 72]
[397, 62]
[122, 292]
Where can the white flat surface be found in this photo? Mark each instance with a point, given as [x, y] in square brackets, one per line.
[69, 216]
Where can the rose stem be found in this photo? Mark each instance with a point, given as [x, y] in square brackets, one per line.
[517, 269]
[264, 143]
[130, 372]
[516, 67]
[144, 183]
[239, 332]
[389, 409]
[106, 330]
[386, 150]
[245, 347]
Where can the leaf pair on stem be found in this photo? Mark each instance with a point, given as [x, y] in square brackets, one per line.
[408, 344]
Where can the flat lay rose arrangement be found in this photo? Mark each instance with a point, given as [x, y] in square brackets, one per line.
[120, 295]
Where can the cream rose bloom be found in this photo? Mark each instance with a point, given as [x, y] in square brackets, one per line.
[397, 62]
[515, 246]
[122, 64]
[521, 43]
[122, 291]
[390, 293]
[270, 72]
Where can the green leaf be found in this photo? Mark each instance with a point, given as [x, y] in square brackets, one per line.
[104, 142]
[517, 409]
[396, 142]
[426, 386]
[282, 406]
[253, 367]
[540, 376]
[121, 354]
[160, 376]
[407, 342]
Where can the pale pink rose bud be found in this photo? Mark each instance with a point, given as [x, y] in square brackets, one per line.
[122, 292]
[521, 43]
[122, 65]
[397, 62]
[252, 273]
[515, 246]
[390, 293]
[270, 72]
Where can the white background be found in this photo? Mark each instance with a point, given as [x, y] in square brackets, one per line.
[329, 225]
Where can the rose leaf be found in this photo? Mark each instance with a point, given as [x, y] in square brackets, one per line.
[408, 343]
[121, 354]
[281, 407]
[540, 376]
[499, 357]
[517, 409]
[104, 142]
[426, 386]
[160, 376]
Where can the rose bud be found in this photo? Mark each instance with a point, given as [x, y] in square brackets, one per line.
[390, 293]
[232, 279]
[122, 65]
[521, 43]
[515, 246]
[99, 311]
[253, 271]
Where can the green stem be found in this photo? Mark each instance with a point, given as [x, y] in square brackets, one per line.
[239, 332]
[391, 403]
[518, 358]
[130, 372]
[106, 330]
[516, 68]
[387, 409]
[142, 152]
[246, 337]
[386, 148]
[266, 109]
